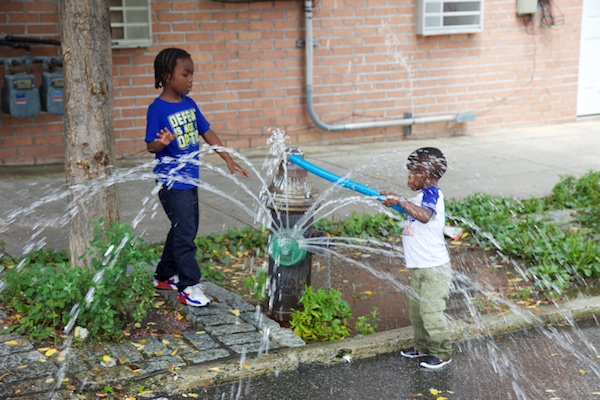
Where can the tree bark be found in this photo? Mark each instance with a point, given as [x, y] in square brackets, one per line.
[88, 121]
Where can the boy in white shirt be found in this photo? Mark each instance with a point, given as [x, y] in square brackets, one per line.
[427, 257]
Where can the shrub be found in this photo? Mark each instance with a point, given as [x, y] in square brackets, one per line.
[324, 315]
[50, 294]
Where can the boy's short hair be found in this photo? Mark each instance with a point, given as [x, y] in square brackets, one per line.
[430, 158]
[164, 64]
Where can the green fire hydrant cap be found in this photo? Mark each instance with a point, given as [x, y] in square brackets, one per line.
[284, 248]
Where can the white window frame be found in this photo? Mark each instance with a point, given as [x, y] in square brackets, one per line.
[432, 22]
[131, 42]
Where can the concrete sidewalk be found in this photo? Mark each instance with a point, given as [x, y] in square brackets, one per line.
[518, 162]
[522, 162]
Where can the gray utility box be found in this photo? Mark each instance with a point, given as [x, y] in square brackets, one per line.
[20, 97]
[52, 92]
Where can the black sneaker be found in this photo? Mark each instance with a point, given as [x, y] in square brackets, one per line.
[432, 362]
[412, 352]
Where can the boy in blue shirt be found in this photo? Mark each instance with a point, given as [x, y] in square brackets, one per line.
[173, 131]
[427, 258]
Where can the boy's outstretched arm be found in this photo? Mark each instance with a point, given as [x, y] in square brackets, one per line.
[212, 139]
[419, 213]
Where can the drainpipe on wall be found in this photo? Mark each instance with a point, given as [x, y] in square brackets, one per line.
[308, 4]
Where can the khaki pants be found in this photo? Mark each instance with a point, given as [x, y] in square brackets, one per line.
[430, 288]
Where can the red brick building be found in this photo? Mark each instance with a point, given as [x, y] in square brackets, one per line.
[369, 65]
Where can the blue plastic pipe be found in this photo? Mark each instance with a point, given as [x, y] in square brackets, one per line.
[338, 180]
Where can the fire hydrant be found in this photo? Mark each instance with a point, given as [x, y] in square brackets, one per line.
[289, 263]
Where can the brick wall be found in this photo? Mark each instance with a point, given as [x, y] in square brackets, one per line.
[368, 65]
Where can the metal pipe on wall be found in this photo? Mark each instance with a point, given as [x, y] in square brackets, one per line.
[308, 4]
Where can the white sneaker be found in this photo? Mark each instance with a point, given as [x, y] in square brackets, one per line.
[194, 296]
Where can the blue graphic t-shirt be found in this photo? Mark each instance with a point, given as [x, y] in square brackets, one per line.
[178, 162]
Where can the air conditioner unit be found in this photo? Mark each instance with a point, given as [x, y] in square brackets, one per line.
[444, 17]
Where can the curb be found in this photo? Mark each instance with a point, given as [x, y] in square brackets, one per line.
[289, 359]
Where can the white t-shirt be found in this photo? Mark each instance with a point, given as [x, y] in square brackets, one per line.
[424, 244]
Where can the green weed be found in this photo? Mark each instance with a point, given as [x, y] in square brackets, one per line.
[324, 315]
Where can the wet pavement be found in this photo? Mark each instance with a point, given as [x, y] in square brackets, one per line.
[235, 342]
[540, 363]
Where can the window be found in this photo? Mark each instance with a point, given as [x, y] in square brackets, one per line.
[130, 23]
[442, 17]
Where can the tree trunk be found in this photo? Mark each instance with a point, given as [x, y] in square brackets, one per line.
[88, 120]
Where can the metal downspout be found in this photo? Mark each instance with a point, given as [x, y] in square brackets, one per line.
[308, 4]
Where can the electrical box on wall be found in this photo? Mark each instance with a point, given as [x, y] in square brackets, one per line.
[444, 17]
[527, 6]
[20, 97]
[52, 93]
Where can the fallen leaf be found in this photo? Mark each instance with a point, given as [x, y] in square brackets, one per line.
[50, 352]
[582, 371]
[235, 312]
[216, 369]
[22, 366]
[368, 292]
[138, 346]
[12, 343]
[434, 391]
[174, 352]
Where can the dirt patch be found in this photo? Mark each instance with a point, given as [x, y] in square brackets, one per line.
[376, 281]
[162, 318]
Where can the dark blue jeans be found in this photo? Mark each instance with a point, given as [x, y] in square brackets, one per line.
[179, 254]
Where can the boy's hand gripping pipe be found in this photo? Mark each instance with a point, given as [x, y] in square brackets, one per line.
[338, 180]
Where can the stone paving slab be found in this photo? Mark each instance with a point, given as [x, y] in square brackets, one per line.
[228, 329]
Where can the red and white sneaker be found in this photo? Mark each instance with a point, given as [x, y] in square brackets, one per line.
[169, 284]
[194, 296]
